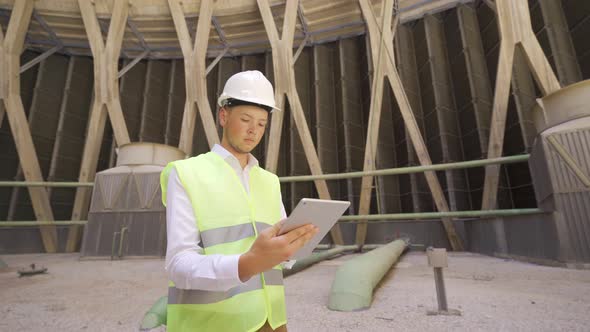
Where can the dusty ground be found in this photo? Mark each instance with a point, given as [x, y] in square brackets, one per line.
[492, 294]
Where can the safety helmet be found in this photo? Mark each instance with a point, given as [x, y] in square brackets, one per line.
[248, 87]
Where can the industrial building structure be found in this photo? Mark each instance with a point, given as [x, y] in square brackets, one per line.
[428, 82]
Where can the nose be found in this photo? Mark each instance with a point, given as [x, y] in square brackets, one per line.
[252, 129]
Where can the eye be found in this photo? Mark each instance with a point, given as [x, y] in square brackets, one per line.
[262, 125]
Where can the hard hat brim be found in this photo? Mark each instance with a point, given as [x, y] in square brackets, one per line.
[223, 101]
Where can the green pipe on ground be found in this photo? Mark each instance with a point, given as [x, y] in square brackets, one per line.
[349, 247]
[316, 257]
[355, 280]
[156, 316]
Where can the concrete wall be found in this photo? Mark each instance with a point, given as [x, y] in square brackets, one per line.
[447, 62]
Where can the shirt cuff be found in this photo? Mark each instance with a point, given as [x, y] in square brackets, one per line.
[288, 264]
[230, 263]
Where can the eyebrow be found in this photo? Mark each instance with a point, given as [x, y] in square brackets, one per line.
[250, 116]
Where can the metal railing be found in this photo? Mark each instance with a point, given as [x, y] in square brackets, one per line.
[394, 217]
[410, 169]
[45, 184]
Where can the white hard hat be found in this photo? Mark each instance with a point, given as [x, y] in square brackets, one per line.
[250, 87]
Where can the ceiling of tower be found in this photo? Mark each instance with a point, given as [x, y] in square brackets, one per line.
[236, 25]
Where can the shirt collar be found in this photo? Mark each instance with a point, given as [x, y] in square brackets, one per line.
[231, 159]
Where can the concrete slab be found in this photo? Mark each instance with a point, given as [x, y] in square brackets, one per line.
[492, 294]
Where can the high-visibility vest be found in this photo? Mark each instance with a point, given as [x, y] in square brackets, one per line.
[228, 220]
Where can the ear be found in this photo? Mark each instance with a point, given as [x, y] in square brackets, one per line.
[223, 115]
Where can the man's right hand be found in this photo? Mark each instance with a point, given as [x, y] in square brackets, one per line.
[270, 249]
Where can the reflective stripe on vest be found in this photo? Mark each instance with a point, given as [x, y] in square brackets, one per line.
[228, 219]
[272, 277]
[228, 234]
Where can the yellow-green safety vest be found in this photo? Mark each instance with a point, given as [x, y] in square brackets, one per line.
[228, 219]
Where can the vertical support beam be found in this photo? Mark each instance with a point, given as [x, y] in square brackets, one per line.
[350, 107]
[477, 72]
[387, 188]
[446, 111]
[381, 40]
[523, 90]
[326, 112]
[60, 125]
[2, 111]
[515, 30]
[481, 97]
[560, 40]
[195, 74]
[408, 71]
[3, 86]
[32, 114]
[283, 63]
[144, 106]
[106, 101]
[10, 51]
[170, 106]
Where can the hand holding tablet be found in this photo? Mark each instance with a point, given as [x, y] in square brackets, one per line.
[321, 213]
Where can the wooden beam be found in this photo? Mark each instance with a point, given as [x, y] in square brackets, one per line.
[515, 30]
[379, 62]
[40, 58]
[424, 158]
[94, 135]
[12, 46]
[215, 61]
[285, 85]
[106, 101]
[498, 123]
[385, 59]
[132, 63]
[481, 93]
[376, 51]
[300, 48]
[195, 74]
[540, 67]
[276, 123]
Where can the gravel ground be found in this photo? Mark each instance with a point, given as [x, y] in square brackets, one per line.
[492, 295]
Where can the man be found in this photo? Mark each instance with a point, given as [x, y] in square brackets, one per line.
[223, 216]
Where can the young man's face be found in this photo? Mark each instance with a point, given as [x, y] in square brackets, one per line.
[243, 126]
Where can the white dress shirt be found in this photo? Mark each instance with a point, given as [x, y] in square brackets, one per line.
[186, 264]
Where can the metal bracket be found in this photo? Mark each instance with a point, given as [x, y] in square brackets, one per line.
[121, 234]
[437, 258]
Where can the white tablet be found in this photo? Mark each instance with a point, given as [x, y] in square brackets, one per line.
[320, 212]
